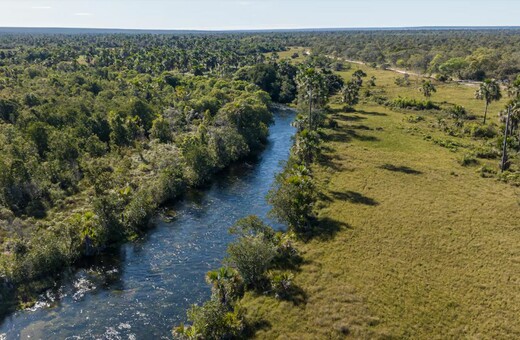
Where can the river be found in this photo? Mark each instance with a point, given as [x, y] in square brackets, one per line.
[144, 289]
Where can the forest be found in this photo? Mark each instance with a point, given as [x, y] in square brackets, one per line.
[99, 131]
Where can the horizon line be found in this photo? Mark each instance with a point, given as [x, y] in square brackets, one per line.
[223, 30]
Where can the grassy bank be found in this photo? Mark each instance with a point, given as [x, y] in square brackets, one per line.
[418, 246]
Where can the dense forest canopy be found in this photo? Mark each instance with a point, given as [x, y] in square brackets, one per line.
[473, 54]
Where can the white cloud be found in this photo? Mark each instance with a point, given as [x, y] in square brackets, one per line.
[83, 14]
[41, 7]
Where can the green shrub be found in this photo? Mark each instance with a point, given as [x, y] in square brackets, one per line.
[486, 152]
[487, 172]
[468, 160]
[477, 130]
[212, 320]
[251, 256]
[414, 119]
[413, 104]
[281, 283]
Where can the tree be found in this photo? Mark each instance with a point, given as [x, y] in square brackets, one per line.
[427, 88]
[252, 256]
[358, 77]
[504, 161]
[293, 196]
[372, 81]
[489, 91]
[312, 88]
[350, 93]
[161, 130]
[226, 285]
[454, 66]
[513, 90]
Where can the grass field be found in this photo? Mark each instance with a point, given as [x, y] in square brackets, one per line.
[417, 246]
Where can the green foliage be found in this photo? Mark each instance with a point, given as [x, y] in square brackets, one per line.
[277, 79]
[427, 88]
[481, 131]
[350, 93]
[293, 196]
[161, 130]
[413, 104]
[227, 285]
[252, 256]
[281, 283]
[212, 320]
[468, 160]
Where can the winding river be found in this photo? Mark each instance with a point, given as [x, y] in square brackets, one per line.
[144, 289]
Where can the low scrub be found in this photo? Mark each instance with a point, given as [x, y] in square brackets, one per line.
[413, 104]
[477, 130]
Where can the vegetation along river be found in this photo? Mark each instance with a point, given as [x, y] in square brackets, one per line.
[144, 289]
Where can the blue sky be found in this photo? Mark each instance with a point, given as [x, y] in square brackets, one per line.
[256, 14]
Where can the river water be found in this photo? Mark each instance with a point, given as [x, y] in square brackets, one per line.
[144, 289]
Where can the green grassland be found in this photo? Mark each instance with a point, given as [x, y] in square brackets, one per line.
[417, 245]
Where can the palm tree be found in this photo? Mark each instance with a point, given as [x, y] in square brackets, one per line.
[312, 87]
[513, 90]
[225, 282]
[489, 91]
[427, 88]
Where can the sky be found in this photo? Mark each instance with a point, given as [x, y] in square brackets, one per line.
[256, 14]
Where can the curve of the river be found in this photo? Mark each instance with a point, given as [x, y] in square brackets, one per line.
[144, 290]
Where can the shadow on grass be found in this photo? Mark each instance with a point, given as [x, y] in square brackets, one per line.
[324, 229]
[401, 168]
[363, 138]
[371, 113]
[348, 135]
[326, 160]
[291, 262]
[295, 294]
[361, 127]
[354, 197]
[349, 118]
[254, 326]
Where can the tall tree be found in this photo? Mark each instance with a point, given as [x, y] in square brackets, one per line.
[312, 89]
[489, 91]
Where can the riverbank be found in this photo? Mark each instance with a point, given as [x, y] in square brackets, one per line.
[423, 247]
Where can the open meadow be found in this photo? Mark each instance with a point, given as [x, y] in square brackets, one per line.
[414, 244]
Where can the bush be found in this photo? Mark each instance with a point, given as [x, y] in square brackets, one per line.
[457, 112]
[468, 160]
[486, 152]
[414, 119]
[413, 104]
[281, 284]
[481, 131]
[212, 320]
[487, 172]
[252, 256]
